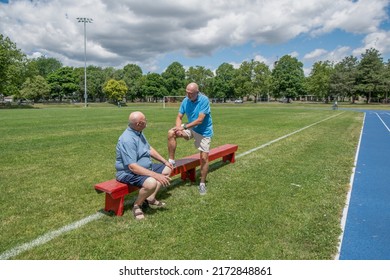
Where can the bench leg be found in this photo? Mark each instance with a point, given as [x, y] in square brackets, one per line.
[230, 158]
[190, 174]
[115, 205]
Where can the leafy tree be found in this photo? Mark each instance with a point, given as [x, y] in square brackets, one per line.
[318, 83]
[35, 88]
[174, 77]
[288, 78]
[385, 84]
[131, 75]
[202, 76]
[115, 90]
[261, 79]
[153, 86]
[96, 79]
[343, 78]
[46, 65]
[243, 79]
[63, 83]
[369, 73]
[223, 86]
[12, 67]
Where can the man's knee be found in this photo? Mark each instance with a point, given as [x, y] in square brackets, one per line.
[166, 171]
[150, 184]
[171, 133]
[204, 157]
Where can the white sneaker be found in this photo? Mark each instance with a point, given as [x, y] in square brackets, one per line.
[202, 189]
[173, 162]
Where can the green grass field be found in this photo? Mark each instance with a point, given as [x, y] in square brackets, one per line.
[283, 201]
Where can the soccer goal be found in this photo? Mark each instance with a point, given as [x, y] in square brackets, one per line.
[172, 101]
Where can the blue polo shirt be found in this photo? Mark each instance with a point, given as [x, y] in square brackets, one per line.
[193, 108]
[132, 147]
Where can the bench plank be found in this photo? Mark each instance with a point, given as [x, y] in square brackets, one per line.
[116, 191]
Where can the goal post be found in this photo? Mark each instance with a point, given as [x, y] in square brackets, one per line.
[172, 100]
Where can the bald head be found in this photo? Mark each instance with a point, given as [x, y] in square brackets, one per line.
[192, 91]
[137, 120]
[193, 87]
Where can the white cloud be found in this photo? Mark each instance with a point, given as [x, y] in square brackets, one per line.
[133, 31]
[315, 54]
[379, 40]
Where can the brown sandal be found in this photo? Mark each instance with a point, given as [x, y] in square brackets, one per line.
[137, 213]
[156, 203]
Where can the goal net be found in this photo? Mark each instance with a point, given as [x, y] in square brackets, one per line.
[172, 101]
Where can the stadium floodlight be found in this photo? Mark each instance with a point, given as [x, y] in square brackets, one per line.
[85, 21]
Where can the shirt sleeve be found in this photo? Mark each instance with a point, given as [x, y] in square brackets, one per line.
[204, 106]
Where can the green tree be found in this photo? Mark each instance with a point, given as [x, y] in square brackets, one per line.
[174, 77]
[385, 84]
[63, 83]
[222, 85]
[242, 81]
[35, 88]
[369, 73]
[131, 75]
[261, 80]
[288, 78]
[343, 78]
[96, 79]
[115, 90]
[202, 76]
[46, 65]
[153, 86]
[318, 83]
[12, 67]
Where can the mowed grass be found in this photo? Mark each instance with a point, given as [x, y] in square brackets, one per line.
[283, 201]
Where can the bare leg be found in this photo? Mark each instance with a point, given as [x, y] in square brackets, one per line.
[171, 144]
[204, 166]
[149, 188]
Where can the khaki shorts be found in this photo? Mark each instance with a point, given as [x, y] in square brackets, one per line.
[201, 143]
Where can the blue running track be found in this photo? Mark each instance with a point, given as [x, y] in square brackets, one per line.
[367, 226]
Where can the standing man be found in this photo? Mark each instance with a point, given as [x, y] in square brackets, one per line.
[199, 127]
[134, 165]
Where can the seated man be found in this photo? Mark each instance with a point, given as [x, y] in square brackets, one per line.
[134, 165]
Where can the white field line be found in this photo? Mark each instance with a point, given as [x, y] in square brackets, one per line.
[383, 122]
[48, 236]
[283, 137]
[351, 180]
[53, 234]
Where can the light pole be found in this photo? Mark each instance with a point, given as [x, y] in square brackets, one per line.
[85, 21]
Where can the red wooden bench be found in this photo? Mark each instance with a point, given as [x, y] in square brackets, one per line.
[116, 191]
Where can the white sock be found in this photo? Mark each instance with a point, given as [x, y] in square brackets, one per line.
[172, 161]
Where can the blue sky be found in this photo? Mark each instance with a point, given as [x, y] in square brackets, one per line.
[153, 34]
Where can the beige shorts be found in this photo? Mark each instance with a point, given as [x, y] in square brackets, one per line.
[201, 143]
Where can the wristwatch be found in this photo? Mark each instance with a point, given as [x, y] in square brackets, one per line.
[185, 126]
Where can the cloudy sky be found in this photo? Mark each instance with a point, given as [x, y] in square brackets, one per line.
[155, 33]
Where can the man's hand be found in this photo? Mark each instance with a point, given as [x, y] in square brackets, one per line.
[164, 180]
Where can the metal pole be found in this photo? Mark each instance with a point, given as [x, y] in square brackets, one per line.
[85, 21]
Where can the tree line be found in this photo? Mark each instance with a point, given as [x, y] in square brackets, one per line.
[45, 79]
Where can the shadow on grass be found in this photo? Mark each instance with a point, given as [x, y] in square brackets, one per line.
[164, 193]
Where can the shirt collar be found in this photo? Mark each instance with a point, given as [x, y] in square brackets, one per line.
[138, 133]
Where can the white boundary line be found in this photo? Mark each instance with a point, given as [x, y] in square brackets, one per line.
[53, 234]
[48, 236]
[383, 122]
[351, 180]
[283, 137]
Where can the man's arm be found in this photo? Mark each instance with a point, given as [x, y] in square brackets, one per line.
[154, 154]
[138, 169]
[196, 122]
[179, 119]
